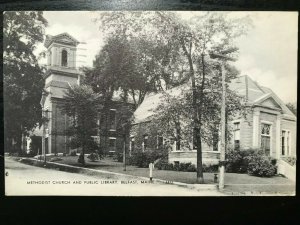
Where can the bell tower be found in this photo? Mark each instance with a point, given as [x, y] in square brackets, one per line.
[60, 74]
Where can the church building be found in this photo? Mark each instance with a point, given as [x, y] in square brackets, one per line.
[60, 75]
[269, 126]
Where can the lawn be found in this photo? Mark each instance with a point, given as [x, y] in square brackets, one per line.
[234, 182]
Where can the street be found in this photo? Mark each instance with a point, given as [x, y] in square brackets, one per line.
[26, 180]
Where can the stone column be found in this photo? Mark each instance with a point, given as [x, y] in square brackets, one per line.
[174, 146]
[278, 135]
[256, 130]
[53, 56]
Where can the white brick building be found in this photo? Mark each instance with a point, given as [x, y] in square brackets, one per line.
[271, 126]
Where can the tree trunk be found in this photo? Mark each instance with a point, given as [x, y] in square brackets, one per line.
[18, 145]
[83, 152]
[124, 152]
[196, 129]
[83, 145]
[199, 161]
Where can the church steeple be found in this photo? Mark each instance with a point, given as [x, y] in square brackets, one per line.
[61, 51]
[61, 73]
[61, 63]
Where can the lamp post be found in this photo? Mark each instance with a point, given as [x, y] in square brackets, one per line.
[223, 58]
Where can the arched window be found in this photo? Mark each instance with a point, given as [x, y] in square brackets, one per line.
[64, 58]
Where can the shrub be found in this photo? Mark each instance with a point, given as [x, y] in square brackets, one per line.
[210, 168]
[237, 161]
[25, 154]
[131, 160]
[185, 167]
[73, 153]
[142, 159]
[261, 165]
[80, 159]
[94, 157]
[191, 168]
[55, 159]
[164, 165]
[118, 157]
[160, 164]
[290, 160]
[169, 166]
[252, 161]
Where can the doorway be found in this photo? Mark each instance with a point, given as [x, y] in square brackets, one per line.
[46, 146]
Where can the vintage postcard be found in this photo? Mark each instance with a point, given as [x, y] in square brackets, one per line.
[150, 103]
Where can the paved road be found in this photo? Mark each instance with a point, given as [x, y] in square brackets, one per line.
[29, 180]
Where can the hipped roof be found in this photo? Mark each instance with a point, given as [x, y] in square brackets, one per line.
[243, 85]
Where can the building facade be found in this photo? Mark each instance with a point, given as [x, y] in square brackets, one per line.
[269, 126]
[60, 75]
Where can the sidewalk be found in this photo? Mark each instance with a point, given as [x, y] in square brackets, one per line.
[235, 184]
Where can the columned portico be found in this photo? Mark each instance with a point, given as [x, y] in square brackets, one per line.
[278, 136]
[256, 114]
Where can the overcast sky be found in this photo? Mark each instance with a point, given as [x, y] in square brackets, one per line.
[268, 54]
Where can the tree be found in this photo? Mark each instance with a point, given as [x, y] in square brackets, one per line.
[173, 118]
[135, 67]
[22, 76]
[192, 40]
[292, 107]
[196, 39]
[82, 105]
[128, 67]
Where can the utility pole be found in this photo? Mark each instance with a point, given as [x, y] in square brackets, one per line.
[124, 154]
[222, 56]
[223, 129]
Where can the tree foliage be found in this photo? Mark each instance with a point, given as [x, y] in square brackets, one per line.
[135, 67]
[22, 76]
[82, 105]
[191, 40]
[292, 107]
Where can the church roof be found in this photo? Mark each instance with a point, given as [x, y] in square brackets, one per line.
[63, 38]
[243, 85]
[152, 100]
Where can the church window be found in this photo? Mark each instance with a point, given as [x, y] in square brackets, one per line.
[64, 58]
[285, 145]
[112, 119]
[266, 138]
[236, 135]
[145, 142]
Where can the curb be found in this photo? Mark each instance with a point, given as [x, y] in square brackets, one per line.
[198, 187]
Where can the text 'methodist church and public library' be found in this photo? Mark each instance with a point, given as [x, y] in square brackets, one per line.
[270, 126]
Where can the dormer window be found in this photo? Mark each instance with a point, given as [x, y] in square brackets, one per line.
[64, 58]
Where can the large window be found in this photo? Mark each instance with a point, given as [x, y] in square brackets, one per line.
[64, 58]
[96, 139]
[132, 143]
[145, 142]
[178, 139]
[236, 135]
[112, 119]
[266, 138]
[285, 142]
[160, 142]
[112, 143]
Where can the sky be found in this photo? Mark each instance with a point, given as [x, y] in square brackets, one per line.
[268, 53]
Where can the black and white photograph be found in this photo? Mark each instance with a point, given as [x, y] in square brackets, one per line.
[150, 103]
